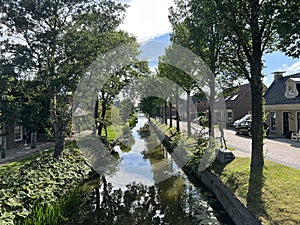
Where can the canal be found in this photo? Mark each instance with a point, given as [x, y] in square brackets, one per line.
[147, 187]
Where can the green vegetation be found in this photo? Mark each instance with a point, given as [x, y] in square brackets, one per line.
[132, 120]
[32, 188]
[280, 193]
[15, 166]
[116, 124]
[194, 145]
[54, 213]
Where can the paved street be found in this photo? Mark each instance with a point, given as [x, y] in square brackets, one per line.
[280, 150]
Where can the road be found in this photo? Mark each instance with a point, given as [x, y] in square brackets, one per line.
[280, 150]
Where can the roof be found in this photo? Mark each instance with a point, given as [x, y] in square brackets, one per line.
[275, 94]
[234, 98]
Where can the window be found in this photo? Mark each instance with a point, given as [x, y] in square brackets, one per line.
[292, 88]
[273, 121]
[298, 89]
[234, 97]
[18, 131]
[229, 116]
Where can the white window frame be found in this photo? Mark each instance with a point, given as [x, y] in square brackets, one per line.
[21, 132]
[229, 111]
[234, 97]
[271, 127]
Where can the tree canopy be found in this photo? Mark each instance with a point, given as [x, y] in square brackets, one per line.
[54, 42]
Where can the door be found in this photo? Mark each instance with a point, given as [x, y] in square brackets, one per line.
[286, 127]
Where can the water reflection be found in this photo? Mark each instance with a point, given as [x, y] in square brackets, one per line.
[148, 188]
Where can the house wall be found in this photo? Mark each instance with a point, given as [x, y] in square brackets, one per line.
[10, 138]
[242, 108]
[278, 122]
[293, 123]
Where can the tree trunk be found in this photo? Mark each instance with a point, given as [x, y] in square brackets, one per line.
[170, 114]
[59, 133]
[211, 110]
[59, 143]
[96, 116]
[257, 159]
[33, 139]
[166, 113]
[255, 60]
[177, 111]
[162, 114]
[188, 112]
[3, 152]
[103, 113]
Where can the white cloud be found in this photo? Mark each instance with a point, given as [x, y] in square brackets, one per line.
[147, 19]
[294, 68]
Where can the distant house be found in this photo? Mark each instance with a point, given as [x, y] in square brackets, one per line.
[283, 104]
[201, 105]
[238, 104]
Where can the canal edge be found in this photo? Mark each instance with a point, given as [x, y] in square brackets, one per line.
[237, 211]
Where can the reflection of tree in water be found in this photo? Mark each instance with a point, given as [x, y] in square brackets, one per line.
[126, 141]
[172, 200]
[169, 202]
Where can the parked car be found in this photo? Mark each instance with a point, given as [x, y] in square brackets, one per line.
[246, 128]
[238, 122]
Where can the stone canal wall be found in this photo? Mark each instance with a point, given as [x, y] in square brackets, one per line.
[238, 212]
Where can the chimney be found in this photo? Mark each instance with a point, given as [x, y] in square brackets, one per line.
[278, 75]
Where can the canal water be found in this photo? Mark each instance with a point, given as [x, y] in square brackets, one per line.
[147, 187]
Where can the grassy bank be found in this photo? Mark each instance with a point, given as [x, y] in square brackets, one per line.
[15, 166]
[40, 188]
[280, 192]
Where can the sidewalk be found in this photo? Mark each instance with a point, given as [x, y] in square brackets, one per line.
[277, 149]
[15, 154]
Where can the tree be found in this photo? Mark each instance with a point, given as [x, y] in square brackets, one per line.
[288, 27]
[121, 74]
[150, 105]
[9, 106]
[35, 109]
[253, 31]
[256, 27]
[178, 76]
[54, 42]
[198, 27]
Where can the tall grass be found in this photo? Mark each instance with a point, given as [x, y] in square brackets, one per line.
[54, 213]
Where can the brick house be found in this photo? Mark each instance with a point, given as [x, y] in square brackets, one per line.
[283, 104]
[15, 136]
[238, 104]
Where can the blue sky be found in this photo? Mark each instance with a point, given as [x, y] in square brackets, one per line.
[148, 21]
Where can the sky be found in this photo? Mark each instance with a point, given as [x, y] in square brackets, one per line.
[148, 21]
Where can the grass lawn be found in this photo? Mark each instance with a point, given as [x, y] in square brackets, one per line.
[14, 166]
[280, 193]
